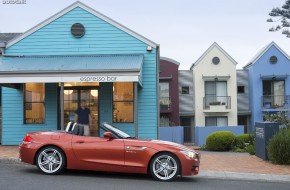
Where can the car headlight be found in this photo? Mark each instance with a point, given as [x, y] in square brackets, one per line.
[189, 154]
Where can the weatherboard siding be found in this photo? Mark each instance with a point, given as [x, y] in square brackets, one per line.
[243, 98]
[14, 129]
[186, 101]
[100, 38]
[56, 39]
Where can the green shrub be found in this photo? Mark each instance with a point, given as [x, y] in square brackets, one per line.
[241, 139]
[279, 147]
[220, 141]
[251, 149]
[252, 138]
[239, 150]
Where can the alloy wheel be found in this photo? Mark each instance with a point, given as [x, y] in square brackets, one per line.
[50, 160]
[164, 167]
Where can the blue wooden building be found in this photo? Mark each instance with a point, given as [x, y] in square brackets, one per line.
[269, 82]
[77, 54]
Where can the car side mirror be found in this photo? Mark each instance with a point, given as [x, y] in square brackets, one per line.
[108, 135]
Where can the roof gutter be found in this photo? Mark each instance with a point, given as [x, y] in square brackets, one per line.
[12, 55]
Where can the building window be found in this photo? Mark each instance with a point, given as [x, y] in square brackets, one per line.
[216, 121]
[273, 59]
[123, 102]
[241, 89]
[216, 60]
[215, 93]
[34, 109]
[164, 98]
[185, 90]
[164, 121]
[274, 94]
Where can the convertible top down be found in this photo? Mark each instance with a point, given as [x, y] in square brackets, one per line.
[52, 151]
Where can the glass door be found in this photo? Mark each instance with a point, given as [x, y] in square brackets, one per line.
[70, 105]
[72, 100]
[91, 97]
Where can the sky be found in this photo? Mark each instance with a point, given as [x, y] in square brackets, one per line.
[185, 29]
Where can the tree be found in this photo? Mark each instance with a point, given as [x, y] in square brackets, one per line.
[281, 15]
[279, 117]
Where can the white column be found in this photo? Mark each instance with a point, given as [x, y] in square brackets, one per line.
[136, 108]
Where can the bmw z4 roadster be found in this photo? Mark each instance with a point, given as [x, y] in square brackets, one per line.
[116, 151]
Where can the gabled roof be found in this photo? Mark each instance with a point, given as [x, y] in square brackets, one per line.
[90, 10]
[262, 52]
[208, 50]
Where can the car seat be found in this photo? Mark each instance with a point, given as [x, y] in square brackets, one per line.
[78, 130]
[69, 126]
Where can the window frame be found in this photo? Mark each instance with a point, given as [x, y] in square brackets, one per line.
[216, 118]
[113, 101]
[37, 102]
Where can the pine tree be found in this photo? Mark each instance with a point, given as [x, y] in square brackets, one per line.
[281, 15]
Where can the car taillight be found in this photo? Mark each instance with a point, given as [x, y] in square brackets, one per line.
[27, 139]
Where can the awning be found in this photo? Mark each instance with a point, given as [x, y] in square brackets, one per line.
[274, 77]
[215, 78]
[74, 68]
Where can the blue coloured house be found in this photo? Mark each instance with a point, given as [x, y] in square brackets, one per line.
[78, 54]
[269, 82]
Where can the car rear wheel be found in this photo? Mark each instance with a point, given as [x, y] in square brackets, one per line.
[50, 160]
[164, 167]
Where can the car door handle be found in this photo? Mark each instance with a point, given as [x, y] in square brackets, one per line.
[80, 141]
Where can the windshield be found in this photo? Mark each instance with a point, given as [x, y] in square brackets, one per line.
[116, 132]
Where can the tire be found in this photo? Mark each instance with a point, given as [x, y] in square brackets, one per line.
[50, 160]
[164, 167]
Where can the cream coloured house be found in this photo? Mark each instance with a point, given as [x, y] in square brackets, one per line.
[215, 83]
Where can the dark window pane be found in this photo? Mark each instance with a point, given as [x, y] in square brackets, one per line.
[241, 89]
[185, 90]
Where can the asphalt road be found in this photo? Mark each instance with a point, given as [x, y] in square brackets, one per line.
[22, 176]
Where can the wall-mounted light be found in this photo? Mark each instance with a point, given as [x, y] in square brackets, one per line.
[68, 92]
[95, 93]
[149, 48]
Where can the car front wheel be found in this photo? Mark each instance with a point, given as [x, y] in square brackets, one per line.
[50, 160]
[164, 167]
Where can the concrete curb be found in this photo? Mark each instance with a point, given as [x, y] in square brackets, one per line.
[244, 176]
[10, 161]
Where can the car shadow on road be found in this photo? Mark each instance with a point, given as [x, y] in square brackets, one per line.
[104, 175]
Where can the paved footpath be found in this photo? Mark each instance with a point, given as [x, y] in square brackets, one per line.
[220, 165]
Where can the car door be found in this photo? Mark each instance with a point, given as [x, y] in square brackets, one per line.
[98, 153]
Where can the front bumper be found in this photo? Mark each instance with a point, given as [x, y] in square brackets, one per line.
[189, 166]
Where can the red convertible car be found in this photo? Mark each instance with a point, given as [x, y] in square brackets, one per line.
[54, 151]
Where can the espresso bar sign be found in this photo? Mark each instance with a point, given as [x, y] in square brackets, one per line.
[98, 79]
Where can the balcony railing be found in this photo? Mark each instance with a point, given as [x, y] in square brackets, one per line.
[165, 103]
[217, 103]
[275, 102]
